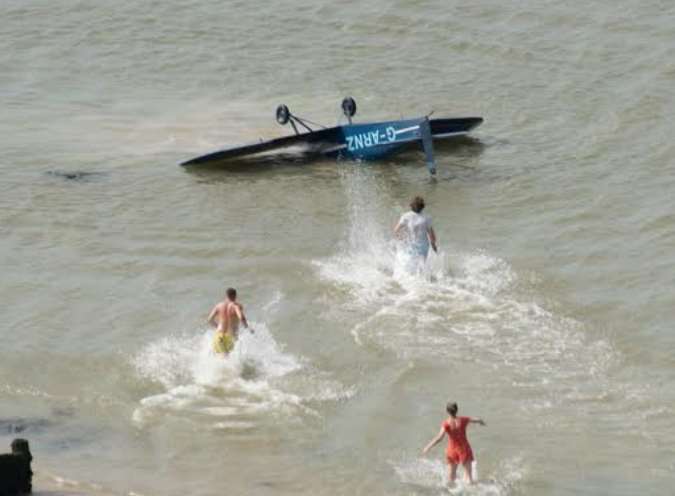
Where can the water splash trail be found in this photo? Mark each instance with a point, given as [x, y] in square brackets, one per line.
[431, 477]
[257, 378]
[470, 310]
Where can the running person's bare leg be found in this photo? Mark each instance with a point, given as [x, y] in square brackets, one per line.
[468, 473]
[452, 472]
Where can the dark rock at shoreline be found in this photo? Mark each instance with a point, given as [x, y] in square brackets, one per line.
[18, 425]
[16, 476]
[75, 175]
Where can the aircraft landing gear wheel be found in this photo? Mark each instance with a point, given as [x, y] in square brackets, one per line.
[349, 107]
[283, 114]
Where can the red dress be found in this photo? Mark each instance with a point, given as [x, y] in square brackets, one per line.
[459, 450]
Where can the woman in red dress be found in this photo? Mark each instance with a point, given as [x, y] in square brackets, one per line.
[459, 450]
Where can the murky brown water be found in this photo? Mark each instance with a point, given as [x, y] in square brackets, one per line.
[548, 311]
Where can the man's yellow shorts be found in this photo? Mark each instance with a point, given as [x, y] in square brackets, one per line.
[223, 342]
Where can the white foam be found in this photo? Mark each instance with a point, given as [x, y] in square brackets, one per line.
[433, 474]
[461, 306]
[256, 377]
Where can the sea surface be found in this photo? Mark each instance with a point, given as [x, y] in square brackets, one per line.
[549, 310]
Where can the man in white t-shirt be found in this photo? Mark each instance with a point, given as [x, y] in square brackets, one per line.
[415, 231]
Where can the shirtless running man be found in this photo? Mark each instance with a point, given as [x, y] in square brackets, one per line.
[225, 317]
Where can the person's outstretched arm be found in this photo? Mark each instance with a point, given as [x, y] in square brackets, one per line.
[212, 316]
[434, 441]
[397, 230]
[477, 421]
[240, 313]
[432, 238]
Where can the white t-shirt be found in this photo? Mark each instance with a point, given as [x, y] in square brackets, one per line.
[417, 226]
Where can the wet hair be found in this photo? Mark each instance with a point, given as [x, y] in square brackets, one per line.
[231, 293]
[417, 204]
[451, 408]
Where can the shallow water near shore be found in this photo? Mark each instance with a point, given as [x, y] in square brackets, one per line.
[548, 310]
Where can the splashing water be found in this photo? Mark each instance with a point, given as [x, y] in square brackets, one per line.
[461, 307]
[254, 378]
[433, 475]
[178, 359]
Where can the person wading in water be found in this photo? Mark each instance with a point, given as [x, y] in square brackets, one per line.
[459, 450]
[225, 317]
[415, 234]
